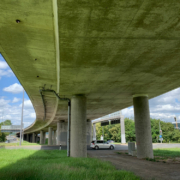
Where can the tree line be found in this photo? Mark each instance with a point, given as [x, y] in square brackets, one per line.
[2, 134]
[169, 133]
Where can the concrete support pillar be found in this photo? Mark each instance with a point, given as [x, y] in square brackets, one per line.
[44, 137]
[88, 131]
[78, 146]
[142, 126]
[41, 137]
[38, 139]
[33, 137]
[54, 137]
[27, 137]
[62, 133]
[94, 131]
[123, 138]
[50, 141]
[58, 132]
[30, 137]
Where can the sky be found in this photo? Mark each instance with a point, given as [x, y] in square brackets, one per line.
[164, 107]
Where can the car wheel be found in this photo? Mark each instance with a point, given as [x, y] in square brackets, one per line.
[96, 147]
[111, 147]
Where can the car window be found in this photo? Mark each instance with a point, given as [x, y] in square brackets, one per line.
[100, 142]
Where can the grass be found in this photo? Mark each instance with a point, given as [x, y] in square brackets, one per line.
[54, 164]
[167, 153]
[25, 143]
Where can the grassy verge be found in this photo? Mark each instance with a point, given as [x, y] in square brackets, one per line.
[167, 153]
[32, 164]
[25, 143]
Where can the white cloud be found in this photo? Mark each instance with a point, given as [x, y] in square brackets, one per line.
[27, 104]
[33, 115]
[15, 100]
[5, 70]
[14, 88]
[13, 112]
[3, 65]
[128, 112]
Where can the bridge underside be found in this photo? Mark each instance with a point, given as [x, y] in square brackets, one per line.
[107, 51]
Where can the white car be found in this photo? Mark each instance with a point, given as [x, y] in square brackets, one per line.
[100, 144]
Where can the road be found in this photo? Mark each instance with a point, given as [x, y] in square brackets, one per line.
[119, 147]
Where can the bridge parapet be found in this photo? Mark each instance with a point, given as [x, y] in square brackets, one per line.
[10, 128]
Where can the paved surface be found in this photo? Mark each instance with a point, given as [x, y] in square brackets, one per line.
[120, 147]
[145, 169]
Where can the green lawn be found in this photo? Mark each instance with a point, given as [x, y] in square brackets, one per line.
[54, 164]
[25, 143]
[167, 153]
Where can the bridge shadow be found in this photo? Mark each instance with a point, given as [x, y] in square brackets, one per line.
[20, 164]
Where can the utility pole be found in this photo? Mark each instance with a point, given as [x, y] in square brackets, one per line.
[176, 122]
[160, 132]
[21, 120]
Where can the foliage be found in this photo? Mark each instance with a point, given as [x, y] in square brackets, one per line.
[114, 131]
[3, 135]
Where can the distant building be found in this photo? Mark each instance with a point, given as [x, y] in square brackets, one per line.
[178, 123]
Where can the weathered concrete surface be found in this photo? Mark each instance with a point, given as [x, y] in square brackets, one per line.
[50, 140]
[78, 143]
[33, 137]
[62, 133]
[143, 127]
[105, 50]
[41, 137]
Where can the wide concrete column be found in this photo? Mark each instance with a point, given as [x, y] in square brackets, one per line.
[33, 137]
[78, 142]
[62, 132]
[50, 136]
[54, 137]
[27, 137]
[41, 137]
[44, 137]
[88, 131]
[142, 126]
[58, 132]
[123, 138]
[94, 131]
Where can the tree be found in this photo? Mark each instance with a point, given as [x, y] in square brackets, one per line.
[3, 135]
[114, 131]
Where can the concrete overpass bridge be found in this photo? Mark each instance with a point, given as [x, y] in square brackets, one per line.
[103, 56]
[113, 118]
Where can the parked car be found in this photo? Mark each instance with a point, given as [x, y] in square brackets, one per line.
[99, 144]
[110, 141]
